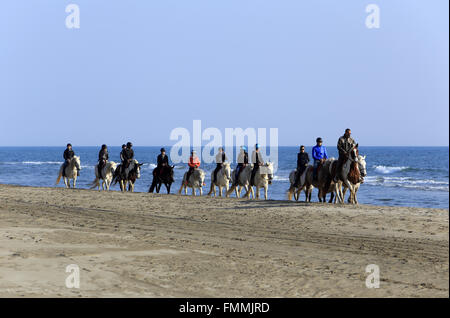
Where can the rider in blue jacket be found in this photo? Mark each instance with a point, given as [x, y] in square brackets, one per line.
[319, 153]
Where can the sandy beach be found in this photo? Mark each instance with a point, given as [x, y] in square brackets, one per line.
[150, 245]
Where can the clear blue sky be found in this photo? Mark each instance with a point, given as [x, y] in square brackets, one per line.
[137, 69]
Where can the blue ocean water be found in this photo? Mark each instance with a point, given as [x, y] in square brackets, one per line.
[397, 176]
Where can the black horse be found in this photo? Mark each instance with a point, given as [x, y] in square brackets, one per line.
[159, 177]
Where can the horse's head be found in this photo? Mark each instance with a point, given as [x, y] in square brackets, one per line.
[77, 162]
[267, 169]
[112, 166]
[354, 153]
[227, 170]
[137, 168]
[362, 165]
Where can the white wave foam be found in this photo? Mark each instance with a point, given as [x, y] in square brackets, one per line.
[41, 162]
[407, 182]
[278, 178]
[387, 170]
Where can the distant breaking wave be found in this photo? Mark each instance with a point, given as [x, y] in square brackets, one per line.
[32, 163]
[407, 182]
[387, 170]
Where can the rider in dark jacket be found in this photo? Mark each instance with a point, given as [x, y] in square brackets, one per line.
[345, 145]
[302, 163]
[127, 155]
[103, 157]
[221, 157]
[68, 156]
[242, 163]
[161, 161]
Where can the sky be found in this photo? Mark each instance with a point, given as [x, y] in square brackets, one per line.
[137, 69]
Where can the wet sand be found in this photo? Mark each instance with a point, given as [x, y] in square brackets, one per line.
[149, 245]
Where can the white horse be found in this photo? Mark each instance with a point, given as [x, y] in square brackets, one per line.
[340, 193]
[242, 183]
[196, 181]
[298, 190]
[107, 174]
[70, 172]
[222, 180]
[263, 178]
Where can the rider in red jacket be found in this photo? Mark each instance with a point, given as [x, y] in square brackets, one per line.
[194, 163]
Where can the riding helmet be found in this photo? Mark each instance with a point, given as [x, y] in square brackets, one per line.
[129, 144]
[319, 139]
[163, 150]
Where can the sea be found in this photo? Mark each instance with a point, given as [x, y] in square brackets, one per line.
[396, 176]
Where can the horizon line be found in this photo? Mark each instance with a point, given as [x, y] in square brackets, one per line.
[29, 146]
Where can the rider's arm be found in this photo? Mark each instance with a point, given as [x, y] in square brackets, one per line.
[340, 145]
[313, 153]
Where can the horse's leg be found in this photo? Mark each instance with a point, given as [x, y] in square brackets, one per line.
[200, 190]
[220, 191]
[212, 189]
[355, 197]
[181, 188]
[168, 188]
[350, 188]
[266, 188]
[257, 192]
[247, 193]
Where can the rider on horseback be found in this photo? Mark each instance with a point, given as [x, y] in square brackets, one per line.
[319, 154]
[103, 157]
[302, 163]
[242, 160]
[221, 157]
[194, 163]
[257, 161]
[345, 145]
[162, 161]
[127, 155]
[68, 156]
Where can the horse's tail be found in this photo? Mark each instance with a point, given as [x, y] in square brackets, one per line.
[59, 177]
[94, 183]
[289, 193]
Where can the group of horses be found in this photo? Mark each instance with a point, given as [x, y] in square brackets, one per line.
[351, 176]
[353, 169]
